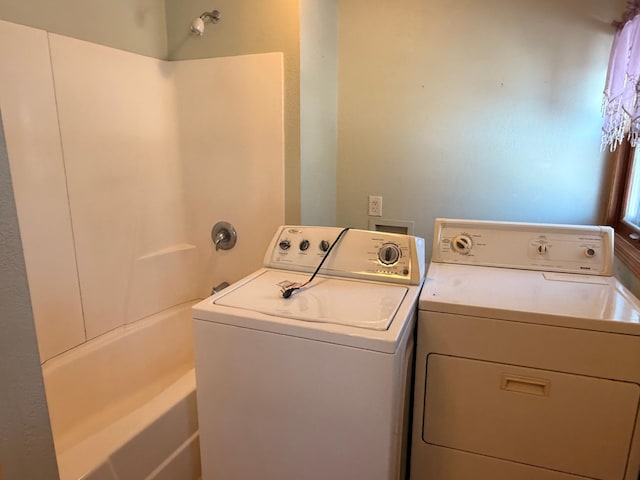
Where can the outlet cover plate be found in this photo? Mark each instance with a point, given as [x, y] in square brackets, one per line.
[375, 206]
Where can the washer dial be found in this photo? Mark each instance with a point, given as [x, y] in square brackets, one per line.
[389, 254]
[462, 244]
[284, 244]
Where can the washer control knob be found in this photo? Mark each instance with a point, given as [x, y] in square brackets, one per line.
[284, 244]
[542, 249]
[304, 245]
[462, 244]
[389, 254]
[589, 252]
[324, 245]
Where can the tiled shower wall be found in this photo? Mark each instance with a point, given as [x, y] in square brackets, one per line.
[122, 163]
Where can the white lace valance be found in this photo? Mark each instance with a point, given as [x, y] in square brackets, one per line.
[622, 91]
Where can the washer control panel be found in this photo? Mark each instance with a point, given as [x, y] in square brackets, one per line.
[362, 254]
[562, 248]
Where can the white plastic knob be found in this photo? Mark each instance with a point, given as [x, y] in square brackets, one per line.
[462, 244]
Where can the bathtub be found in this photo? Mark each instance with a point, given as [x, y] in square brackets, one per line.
[123, 405]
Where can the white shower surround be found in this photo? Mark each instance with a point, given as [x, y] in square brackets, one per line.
[120, 165]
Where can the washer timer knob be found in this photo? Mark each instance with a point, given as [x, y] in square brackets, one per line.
[284, 245]
[589, 252]
[542, 248]
[304, 245]
[462, 244]
[389, 254]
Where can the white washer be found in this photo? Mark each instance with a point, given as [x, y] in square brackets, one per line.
[315, 386]
[528, 357]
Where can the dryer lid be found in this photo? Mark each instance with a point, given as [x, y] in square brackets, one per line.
[328, 300]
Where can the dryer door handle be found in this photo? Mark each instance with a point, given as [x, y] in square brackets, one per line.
[528, 385]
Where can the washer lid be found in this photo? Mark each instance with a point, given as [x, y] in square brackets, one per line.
[574, 301]
[329, 300]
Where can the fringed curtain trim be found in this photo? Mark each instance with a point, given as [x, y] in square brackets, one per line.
[622, 89]
[633, 8]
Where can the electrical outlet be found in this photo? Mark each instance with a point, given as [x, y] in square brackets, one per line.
[375, 206]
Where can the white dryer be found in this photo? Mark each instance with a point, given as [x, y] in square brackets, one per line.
[314, 386]
[528, 357]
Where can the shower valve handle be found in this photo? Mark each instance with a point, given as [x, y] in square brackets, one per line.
[224, 236]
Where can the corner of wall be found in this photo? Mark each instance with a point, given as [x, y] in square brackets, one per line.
[26, 442]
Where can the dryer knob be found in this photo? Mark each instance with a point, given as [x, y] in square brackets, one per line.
[462, 244]
[589, 252]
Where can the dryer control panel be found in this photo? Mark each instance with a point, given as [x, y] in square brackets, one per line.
[579, 249]
[364, 254]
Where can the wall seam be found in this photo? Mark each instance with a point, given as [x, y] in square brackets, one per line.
[66, 186]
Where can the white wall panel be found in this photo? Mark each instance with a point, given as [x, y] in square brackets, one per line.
[250, 27]
[28, 108]
[118, 128]
[230, 113]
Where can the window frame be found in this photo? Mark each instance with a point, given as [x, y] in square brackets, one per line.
[626, 249]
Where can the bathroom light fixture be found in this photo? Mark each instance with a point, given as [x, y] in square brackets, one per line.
[197, 26]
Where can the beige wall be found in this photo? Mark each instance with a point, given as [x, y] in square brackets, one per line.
[134, 25]
[249, 27]
[26, 445]
[318, 110]
[487, 110]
